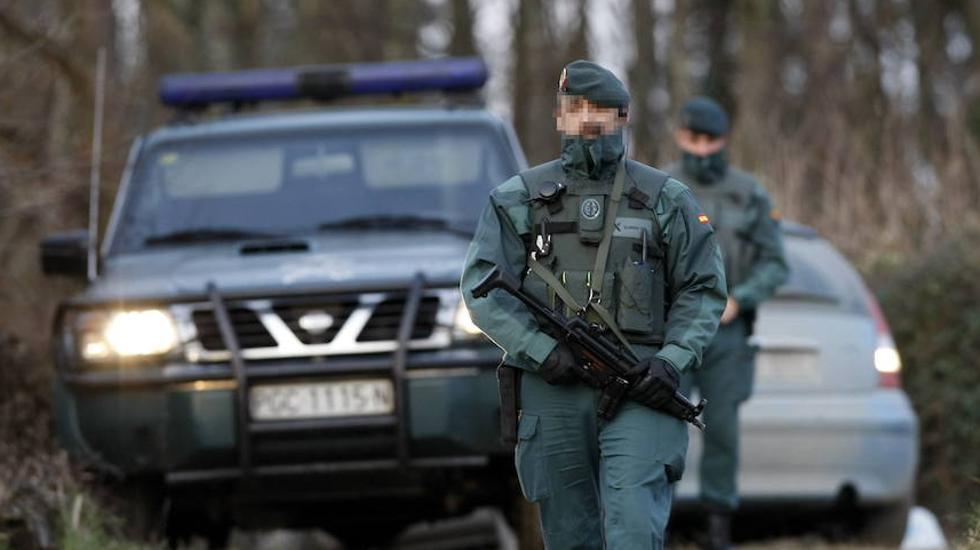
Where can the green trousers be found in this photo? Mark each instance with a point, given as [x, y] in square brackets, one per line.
[725, 379]
[597, 484]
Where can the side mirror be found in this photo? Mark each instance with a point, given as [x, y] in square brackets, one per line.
[65, 254]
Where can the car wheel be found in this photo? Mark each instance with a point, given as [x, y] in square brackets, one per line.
[141, 503]
[885, 525]
[188, 521]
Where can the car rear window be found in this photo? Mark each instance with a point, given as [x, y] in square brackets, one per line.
[819, 273]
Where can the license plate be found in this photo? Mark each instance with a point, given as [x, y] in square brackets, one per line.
[787, 367]
[322, 399]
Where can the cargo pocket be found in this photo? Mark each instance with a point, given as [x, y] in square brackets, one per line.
[531, 472]
[641, 301]
[747, 365]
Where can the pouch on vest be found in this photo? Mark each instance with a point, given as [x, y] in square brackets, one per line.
[577, 283]
[641, 301]
[591, 218]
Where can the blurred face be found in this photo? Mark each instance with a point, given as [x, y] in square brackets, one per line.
[577, 116]
[697, 143]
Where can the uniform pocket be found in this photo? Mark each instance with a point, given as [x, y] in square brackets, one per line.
[747, 366]
[531, 472]
[641, 301]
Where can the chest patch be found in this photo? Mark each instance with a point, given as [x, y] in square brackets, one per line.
[591, 209]
[632, 227]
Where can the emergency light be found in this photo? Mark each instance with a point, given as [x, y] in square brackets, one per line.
[322, 82]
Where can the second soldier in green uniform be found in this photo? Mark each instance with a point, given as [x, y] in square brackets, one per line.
[594, 234]
[747, 230]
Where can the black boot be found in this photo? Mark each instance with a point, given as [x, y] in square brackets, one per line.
[718, 535]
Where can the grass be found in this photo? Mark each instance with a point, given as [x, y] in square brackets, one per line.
[972, 538]
[85, 525]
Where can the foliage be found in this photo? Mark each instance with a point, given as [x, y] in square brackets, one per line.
[933, 305]
[972, 539]
[973, 534]
[87, 526]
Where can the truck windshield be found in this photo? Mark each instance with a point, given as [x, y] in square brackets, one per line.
[221, 187]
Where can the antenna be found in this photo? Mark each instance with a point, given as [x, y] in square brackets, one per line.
[95, 177]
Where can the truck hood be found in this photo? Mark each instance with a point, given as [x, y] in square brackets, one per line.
[333, 261]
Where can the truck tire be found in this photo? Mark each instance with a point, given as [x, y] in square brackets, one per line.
[141, 503]
[188, 521]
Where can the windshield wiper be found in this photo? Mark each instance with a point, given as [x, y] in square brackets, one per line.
[204, 234]
[395, 222]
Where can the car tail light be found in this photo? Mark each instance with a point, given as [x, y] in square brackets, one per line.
[887, 361]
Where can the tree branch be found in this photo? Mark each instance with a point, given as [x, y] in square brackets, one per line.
[52, 52]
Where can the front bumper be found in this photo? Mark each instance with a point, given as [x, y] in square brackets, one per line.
[816, 448]
[182, 421]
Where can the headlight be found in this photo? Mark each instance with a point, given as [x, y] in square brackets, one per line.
[139, 333]
[463, 326]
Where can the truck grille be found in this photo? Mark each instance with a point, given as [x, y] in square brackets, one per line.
[387, 316]
[339, 312]
[250, 331]
[317, 325]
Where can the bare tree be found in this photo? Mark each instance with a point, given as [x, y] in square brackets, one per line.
[641, 80]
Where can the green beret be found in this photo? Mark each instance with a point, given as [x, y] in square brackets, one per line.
[706, 116]
[593, 82]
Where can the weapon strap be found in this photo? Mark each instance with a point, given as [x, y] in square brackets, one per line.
[602, 255]
[599, 271]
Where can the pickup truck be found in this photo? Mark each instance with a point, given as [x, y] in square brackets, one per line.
[274, 335]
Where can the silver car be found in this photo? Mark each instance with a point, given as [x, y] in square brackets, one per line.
[828, 425]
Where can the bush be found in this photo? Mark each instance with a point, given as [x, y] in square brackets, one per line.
[973, 531]
[933, 305]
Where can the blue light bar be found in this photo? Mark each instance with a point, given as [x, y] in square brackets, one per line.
[322, 82]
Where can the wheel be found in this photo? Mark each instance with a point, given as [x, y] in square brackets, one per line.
[885, 525]
[140, 504]
[188, 520]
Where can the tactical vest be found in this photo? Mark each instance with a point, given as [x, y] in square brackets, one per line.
[567, 220]
[728, 203]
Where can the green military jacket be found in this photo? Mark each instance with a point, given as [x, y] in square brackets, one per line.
[693, 271]
[747, 231]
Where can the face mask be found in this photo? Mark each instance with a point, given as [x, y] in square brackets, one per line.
[707, 169]
[591, 157]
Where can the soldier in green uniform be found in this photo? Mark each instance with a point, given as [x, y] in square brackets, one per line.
[627, 246]
[748, 233]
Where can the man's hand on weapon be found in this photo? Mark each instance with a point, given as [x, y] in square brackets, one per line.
[559, 367]
[654, 382]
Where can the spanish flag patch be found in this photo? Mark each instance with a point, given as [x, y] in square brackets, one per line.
[703, 218]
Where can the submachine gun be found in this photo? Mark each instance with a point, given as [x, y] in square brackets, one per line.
[604, 361]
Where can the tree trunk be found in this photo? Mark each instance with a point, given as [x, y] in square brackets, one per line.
[721, 72]
[641, 80]
[462, 43]
[535, 84]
